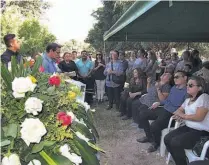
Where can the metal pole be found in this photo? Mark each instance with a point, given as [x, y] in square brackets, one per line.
[188, 45]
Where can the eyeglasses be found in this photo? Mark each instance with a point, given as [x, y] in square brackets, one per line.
[177, 77]
[191, 85]
[99, 54]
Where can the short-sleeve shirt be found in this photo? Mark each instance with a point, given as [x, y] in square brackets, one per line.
[190, 109]
[152, 95]
[84, 67]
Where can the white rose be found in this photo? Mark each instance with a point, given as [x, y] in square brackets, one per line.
[85, 104]
[71, 156]
[21, 85]
[73, 117]
[81, 136]
[34, 162]
[33, 105]
[13, 159]
[32, 130]
[18, 95]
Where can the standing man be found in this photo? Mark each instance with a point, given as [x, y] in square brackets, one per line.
[74, 56]
[125, 66]
[13, 46]
[85, 67]
[49, 58]
[113, 68]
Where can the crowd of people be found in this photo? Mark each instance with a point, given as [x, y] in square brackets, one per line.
[147, 86]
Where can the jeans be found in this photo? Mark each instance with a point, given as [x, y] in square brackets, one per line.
[182, 138]
[100, 89]
[161, 117]
[114, 94]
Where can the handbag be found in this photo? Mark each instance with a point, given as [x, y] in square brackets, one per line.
[197, 149]
[117, 79]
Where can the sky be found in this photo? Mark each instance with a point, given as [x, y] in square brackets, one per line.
[71, 19]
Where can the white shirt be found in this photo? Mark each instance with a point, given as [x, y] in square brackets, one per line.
[202, 101]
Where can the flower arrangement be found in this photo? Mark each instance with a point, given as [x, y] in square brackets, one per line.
[42, 122]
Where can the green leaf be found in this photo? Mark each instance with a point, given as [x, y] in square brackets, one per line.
[4, 142]
[87, 153]
[60, 160]
[14, 67]
[6, 76]
[38, 147]
[95, 147]
[51, 90]
[36, 66]
[10, 130]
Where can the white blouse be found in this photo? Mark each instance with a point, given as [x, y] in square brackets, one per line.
[202, 101]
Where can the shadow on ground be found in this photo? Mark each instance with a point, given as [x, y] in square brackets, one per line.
[118, 139]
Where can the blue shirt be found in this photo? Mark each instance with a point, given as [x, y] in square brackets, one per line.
[118, 68]
[175, 99]
[49, 64]
[84, 67]
[137, 63]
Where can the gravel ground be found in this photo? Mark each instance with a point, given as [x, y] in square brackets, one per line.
[118, 139]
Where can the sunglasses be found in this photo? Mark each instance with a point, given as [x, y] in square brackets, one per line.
[99, 54]
[192, 85]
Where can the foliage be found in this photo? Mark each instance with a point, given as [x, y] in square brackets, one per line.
[55, 99]
[71, 45]
[17, 16]
[34, 36]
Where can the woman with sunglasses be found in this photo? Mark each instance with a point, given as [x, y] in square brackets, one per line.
[99, 76]
[194, 111]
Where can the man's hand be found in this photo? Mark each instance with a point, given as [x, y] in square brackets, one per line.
[155, 105]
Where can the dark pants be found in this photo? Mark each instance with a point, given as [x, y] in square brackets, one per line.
[182, 138]
[137, 107]
[114, 94]
[200, 162]
[161, 117]
[89, 88]
[126, 103]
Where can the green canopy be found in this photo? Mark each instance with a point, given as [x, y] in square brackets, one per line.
[162, 21]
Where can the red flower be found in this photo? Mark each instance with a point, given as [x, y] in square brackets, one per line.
[41, 69]
[64, 118]
[60, 114]
[54, 80]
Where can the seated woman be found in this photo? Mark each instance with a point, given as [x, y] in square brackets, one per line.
[137, 87]
[155, 92]
[194, 111]
[68, 65]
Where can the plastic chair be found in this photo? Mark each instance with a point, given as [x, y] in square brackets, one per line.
[165, 132]
[192, 157]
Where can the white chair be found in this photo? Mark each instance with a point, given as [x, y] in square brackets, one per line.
[165, 132]
[192, 157]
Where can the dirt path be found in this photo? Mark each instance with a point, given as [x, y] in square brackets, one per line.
[118, 139]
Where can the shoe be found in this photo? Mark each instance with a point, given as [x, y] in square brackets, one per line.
[109, 108]
[133, 125]
[120, 115]
[152, 148]
[144, 140]
[126, 118]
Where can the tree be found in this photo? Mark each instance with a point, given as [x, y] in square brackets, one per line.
[14, 13]
[106, 16]
[35, 37]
